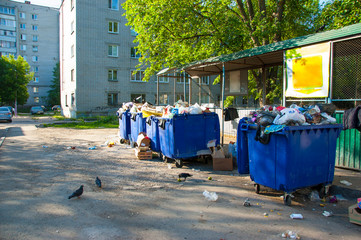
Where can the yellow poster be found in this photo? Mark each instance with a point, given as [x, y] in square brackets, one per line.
[308, 71]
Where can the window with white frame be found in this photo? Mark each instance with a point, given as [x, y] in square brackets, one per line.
[72, 51]
[35, 48]
[180, 78]
[113, 27]
[136, 77]
[36, 69]
[7, 22]
[34, 16]
[35, 27]
[137, 97]
[164, 79]
[35, 58]
[23, 37]
[23, 47]
[72, 27]
[180, 96]
[112, 75]
[22, 26]
[113, 4]
[71, 4]
[112, 99]
[163, 99]
[72, 99]
[205, 80]
[36, 99]
[112, 50]
[35, 89]
[7, 10]
[36, 79]
[22, 15]
[72, 75]
[134, 53]
[35, 38]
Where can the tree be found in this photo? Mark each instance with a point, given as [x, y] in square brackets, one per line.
[54, 92]
[173, 32]
[14, 77]
[339, 13]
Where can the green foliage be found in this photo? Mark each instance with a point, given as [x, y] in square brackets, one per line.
[54, 92]
[339, 13]
[14, 77]
[85, 123]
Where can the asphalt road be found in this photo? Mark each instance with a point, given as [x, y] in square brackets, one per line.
[142, 199]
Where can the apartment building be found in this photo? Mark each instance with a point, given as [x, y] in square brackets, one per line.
[31, 31]
[98, 58]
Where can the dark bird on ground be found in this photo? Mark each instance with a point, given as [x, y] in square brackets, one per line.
[77, 192]
[184, 175]
[98, 182]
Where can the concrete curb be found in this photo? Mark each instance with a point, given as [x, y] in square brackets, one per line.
[2, 139]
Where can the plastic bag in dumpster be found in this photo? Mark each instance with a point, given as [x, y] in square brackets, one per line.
[290, 116]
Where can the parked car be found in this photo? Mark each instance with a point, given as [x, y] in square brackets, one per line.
[56, 108]
[5, 114]
[36, 110]
[11, 109]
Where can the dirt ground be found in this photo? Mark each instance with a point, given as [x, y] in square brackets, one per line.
[142, 199]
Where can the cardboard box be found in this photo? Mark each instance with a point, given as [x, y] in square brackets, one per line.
[222, 164]
[143, 140]
[354, 214]
[143, 155]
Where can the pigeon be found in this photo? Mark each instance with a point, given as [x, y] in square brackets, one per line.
[98, 182]
[184, 175]
[77, 192]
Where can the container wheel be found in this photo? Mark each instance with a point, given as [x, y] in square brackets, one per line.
[122, 141]
[178, 163]
[287, 199]
[256, 188]
[323, 191]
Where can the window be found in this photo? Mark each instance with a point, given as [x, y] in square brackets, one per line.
[133, 33]
[36, 99]
[22, 15]
[7, 10]
[35, 38]
[205, 98]
[181, 97]
[114, 4]
[113, 51]
[72, 27]
[22, 25]
[72, 75]
[137, 77]
[34, 16]
[35, 48]
[35, 27]
[112, 99]
[35, 89]
[112, 75]
[71, 4]
[66, 100]
[23, 37]
[113, 27]
[25, 58]
[72, 100]
[36, 69]
[7, 22]
[7, 44]
[164, 79]
[180, 78]
[7, 33]
[23, 47]
[205, 80]
[72, 51]
[35, 58]
[163, 99]
[137, 97]
[134, 53]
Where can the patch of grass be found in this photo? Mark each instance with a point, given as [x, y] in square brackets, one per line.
[88, 123]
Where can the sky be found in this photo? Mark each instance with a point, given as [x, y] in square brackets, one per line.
[48, 3]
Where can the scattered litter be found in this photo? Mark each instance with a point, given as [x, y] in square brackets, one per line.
[327, 214]
[296, 216]
[279, 214]
[290, 234]
[314, 196]
[93, 148]
[45, 146]
[209, 178]
[345, 182]
[340, 197]
[210, 196]
[169, 166]
[196, 170]
[265, 214]
[322, 205]
[247, 203]
[333, 199]
[68, 148]
[111, 144]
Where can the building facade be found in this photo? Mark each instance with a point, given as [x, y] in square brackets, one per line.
[98, 57]
[31, 31]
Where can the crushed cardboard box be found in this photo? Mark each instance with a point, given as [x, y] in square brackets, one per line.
[354, 214]
[143, 140]
[220, 162]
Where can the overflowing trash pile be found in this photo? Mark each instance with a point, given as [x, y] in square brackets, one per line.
[293, 115]
[147, 109]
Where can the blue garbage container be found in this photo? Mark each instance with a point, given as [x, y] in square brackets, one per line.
[187, 135]
[295, 157]
[124, 126]
[153, 133]
[137, 125]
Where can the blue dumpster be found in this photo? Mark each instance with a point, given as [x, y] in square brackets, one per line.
[124, 125]
[137, 125]
[153, 133]
[188, 135]
[295, 157]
